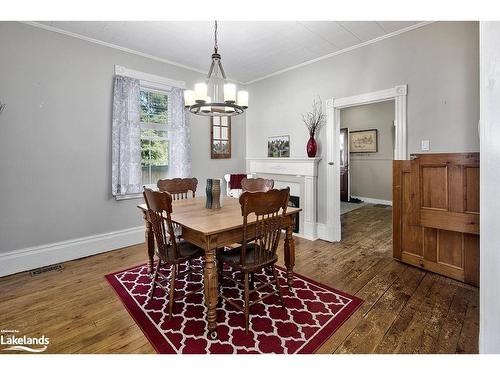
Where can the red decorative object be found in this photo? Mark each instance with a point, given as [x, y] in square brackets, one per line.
[312, 147]
[314, 312]
[314, 121]
[235, 180]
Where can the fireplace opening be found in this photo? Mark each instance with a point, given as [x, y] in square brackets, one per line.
[294, 201]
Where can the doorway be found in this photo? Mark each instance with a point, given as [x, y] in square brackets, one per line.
[366, 154]
[332, 230]
[344, 165]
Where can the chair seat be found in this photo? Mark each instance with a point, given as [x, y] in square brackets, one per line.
[253, 258]
[186, 250]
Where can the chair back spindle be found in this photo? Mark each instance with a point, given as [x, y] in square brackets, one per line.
[178, 187]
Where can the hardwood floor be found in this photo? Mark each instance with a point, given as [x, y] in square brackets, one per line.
[406, 310]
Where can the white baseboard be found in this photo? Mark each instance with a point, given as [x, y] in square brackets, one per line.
[323, 232]
[300, 235]
[373, 200]
[309, 231]
[297, 235]
[39, 256]
[328, 232]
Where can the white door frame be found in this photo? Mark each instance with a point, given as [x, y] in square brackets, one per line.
[333, 107]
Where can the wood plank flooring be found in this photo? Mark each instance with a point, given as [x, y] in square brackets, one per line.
[406, 310]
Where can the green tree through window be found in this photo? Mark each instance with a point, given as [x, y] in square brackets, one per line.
[154, 136]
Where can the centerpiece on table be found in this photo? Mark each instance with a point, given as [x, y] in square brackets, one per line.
[314, 121]
[213, 190]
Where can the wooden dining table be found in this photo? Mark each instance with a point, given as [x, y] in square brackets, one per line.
[211, 229]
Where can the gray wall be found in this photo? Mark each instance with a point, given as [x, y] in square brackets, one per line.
[439, 62]
[55, 137]
[371, 174]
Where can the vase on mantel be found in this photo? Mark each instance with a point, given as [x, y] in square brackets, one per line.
[312, 146]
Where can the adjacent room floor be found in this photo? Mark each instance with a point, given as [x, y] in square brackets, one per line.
[346, 207]
[406, 310]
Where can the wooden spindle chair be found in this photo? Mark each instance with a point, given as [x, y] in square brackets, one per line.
[258, 248]
[254, 185]
[178, 187]
[168, 250]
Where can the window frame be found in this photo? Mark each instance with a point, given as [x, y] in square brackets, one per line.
[150, 81]
[213, 154]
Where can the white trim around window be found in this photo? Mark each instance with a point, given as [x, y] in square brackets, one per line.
[148, 82]
[147, 79]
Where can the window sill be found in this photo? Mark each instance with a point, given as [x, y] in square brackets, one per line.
[136, 195]
[128, 196]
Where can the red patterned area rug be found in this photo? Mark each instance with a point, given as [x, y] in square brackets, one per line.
[313, 313]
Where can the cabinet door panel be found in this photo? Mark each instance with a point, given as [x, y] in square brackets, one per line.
[412, 233]
[472, 190]
[434, 187]
[450, 248]
[430, 244]
[436, 214]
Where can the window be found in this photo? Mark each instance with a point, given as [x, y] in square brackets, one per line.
[155, 147]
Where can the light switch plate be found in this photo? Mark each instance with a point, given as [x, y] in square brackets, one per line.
[425, 145]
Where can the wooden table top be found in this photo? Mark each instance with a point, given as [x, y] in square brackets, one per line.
[192, 213]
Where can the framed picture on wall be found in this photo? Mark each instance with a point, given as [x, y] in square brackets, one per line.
[278, 147]
[363, 141]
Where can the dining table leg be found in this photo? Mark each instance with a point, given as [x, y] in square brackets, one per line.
[150, 243]
[211, 290]
[289, 252]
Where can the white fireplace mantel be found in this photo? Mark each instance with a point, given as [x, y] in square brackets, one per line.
[290, 166]
[303, 170]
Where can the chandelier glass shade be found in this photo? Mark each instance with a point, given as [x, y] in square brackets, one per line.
[216, 96]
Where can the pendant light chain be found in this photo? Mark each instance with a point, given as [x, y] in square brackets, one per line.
[216, 45]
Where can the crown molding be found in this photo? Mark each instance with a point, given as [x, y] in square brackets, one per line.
[380, 38]
[115, 46]
[156, 58]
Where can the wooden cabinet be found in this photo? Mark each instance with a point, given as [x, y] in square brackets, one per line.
[436, 214]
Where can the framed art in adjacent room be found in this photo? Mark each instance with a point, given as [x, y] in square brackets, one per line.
[220, 137]
[278, 147]
[363, 141]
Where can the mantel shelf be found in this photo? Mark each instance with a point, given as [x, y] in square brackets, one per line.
[316, 159]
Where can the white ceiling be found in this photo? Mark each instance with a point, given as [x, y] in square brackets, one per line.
[250, 49]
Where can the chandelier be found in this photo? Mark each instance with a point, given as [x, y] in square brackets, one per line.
[216, 97]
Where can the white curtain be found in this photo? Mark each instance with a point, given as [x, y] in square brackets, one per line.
[180, 153]
[126, 137]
